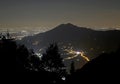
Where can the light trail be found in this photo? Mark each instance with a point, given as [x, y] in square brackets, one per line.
[75, 54]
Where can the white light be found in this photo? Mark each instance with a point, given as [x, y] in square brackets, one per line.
[77, 53]
[63, 78]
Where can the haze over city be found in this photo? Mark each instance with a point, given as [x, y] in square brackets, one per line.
[46, 14]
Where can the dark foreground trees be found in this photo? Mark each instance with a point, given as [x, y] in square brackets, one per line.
[50, 67]
[52, 62]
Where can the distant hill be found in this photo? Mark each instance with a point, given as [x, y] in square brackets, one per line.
[90, 41]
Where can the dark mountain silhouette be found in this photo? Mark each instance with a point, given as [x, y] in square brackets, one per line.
[85, 39]
[104, 68]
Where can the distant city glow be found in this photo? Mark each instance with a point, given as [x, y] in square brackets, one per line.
[44, 15]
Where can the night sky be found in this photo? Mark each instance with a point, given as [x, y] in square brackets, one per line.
[29, 14]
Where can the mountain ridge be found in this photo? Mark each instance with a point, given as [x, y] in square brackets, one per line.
[90, 41]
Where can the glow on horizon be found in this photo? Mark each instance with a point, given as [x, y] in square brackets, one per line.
[94, 14]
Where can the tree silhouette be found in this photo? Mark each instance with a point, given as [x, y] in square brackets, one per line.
[7, 53]
[51, 59]
[22, 60]
[72, 69]
[25, 61]
[52, 62]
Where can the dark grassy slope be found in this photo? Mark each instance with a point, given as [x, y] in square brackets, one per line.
[105, 68]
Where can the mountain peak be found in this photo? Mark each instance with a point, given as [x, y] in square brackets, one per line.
[67, 25]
